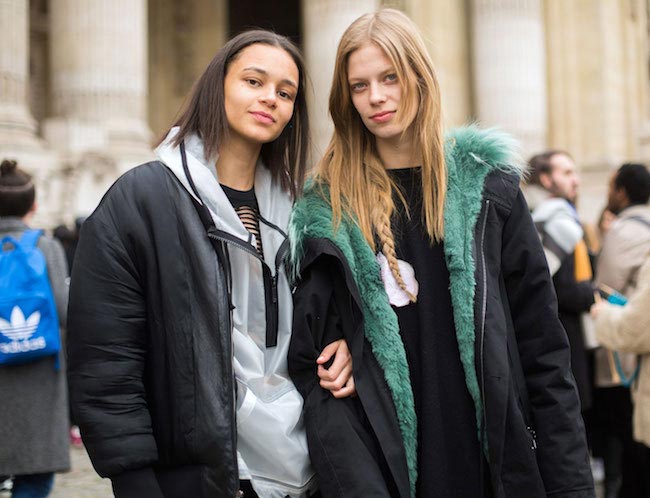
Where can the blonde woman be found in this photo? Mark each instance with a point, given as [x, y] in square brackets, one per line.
[418, 249]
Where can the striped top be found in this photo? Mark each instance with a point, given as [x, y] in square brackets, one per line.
[245, 204]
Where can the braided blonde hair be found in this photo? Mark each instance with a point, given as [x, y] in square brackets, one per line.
[381, 223]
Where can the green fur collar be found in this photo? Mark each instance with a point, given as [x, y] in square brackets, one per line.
[471, 154]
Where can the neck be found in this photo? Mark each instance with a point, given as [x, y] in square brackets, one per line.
[236, 164]
[399, 152]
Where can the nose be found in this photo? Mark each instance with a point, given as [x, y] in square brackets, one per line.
[376, 94]
[268, 96]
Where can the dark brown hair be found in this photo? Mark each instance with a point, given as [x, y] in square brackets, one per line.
[634, 178]
[205, 114]
[540, 164]
[17, 191]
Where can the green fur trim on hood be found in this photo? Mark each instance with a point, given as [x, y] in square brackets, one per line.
[471, 154]
[312, 218]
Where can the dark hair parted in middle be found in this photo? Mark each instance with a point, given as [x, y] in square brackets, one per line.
[205, 114]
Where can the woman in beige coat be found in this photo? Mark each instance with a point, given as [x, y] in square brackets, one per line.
[627, 328]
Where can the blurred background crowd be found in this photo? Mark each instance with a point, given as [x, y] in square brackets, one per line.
[87, 86]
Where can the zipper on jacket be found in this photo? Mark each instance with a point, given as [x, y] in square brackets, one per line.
[482, 335]
[270, 280]
[483, 312]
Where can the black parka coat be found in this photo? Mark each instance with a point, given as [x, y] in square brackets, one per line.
[145, 301]
[533, 429]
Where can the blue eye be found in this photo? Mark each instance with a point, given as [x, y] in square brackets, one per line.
[391, 77]
[357, 87]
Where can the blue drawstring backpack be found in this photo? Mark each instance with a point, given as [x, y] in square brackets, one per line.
[29, 324]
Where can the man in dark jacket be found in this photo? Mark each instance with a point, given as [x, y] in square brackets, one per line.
[566, 252]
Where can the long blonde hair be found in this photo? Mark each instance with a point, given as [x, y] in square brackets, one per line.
[358, 183]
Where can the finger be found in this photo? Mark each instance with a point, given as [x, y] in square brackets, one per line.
[342, 359]
[328, 351]
[348, 390]
[339, 382]
[325, 374]
[333, 382]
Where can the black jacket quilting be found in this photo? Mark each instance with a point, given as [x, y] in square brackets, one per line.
[154, 301]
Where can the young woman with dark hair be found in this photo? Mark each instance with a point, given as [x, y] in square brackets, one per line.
[180, 313]
[418, 249]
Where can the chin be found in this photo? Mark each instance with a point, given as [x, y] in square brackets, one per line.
[261, 139]
[380, 132]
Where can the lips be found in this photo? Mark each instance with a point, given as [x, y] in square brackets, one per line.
[382, 117]
[263, 117]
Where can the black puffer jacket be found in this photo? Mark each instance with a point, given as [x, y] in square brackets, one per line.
[526, 393]
[148, 373]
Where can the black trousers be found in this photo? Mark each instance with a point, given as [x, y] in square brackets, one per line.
[249, 492]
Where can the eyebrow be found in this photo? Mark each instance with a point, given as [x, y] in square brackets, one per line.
[266, 73]
[385, 72]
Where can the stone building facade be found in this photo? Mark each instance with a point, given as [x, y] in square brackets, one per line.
[87, 86]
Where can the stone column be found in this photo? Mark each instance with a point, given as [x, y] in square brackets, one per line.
[17, 126]
[324, 21]
[509, 66]
[445, 29]
[99, 77]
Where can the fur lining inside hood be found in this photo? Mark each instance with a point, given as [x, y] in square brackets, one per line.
[470, 153]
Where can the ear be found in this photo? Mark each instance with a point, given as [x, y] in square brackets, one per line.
[545, 181]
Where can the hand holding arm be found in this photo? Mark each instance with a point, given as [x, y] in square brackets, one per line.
[337, 377]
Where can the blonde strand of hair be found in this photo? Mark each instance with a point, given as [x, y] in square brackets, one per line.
[385, 234]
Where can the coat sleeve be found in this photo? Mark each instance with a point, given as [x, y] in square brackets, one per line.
[107, 349]
[572, 296]
[545, 359]
[625, 328]
[342, 446]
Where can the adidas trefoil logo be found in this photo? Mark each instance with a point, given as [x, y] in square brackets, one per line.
[19, 328]
[19, 332]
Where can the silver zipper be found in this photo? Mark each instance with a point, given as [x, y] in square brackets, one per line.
[483, 314]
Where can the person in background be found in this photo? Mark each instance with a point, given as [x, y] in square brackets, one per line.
[626, 247]
[34, 410]
[627, 328]
[568, 257]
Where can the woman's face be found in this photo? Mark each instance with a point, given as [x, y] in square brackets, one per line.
[376, 93]
[260, 89]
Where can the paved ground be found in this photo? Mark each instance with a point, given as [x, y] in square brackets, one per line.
[82, 481]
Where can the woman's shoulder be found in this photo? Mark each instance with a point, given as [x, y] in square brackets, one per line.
[141, 182]
[487, 159]
[138, 193]
[313, 203]
[471, 150]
